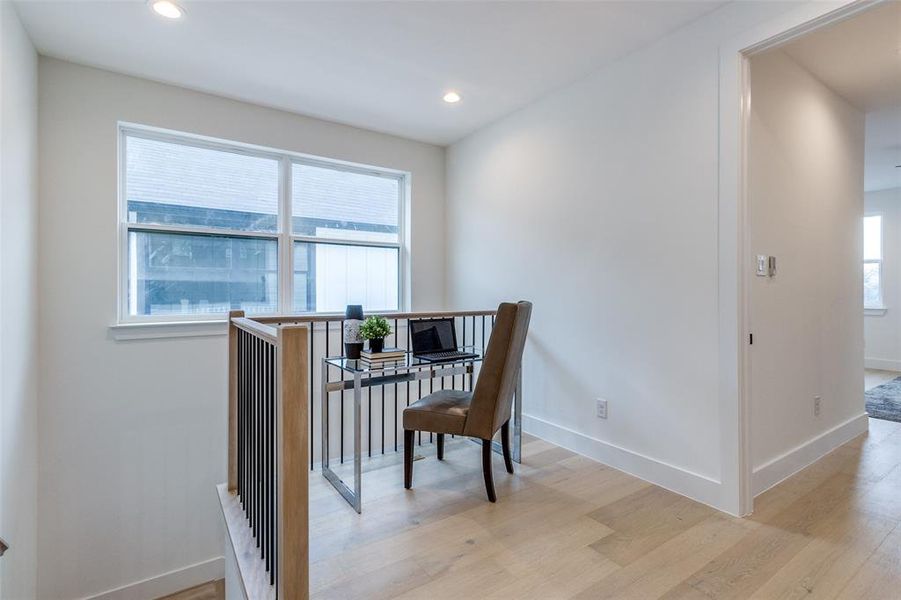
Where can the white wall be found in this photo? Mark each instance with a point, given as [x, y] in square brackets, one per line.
[599, 204]
[805, 206]
[133, 434]
[18, 307]
[882, 332]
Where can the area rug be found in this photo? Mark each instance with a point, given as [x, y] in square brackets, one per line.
[884, 401]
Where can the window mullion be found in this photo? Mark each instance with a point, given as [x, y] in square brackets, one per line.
[344, 242]
[189, 230]
[286, 249]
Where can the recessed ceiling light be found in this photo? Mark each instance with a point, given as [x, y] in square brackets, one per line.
[452, 97]
[167, 8]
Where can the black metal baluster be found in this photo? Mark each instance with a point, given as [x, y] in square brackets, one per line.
[248, 381]
[249, 412]
[394, 398]
[259, 433]
[431, 390]
[264, 458]
[264, 435]
[273, 392]
[256, 441]
[312, 403]
[273, 574]
[256, 445]
[240, 399]
[463, 377]
[268, 451]
[396, 424]
[482, 349]
[251, 470]
[382, 396]
[419, 397]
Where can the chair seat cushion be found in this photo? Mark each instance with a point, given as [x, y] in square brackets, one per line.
[440, 412]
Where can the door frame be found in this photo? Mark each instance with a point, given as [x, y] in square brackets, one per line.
[733, 232]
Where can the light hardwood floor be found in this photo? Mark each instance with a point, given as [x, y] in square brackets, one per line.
[567, 527]
[211, 590]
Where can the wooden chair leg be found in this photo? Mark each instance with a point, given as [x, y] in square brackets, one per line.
[505, 444]
[408, 458]
[486, 468]
[440, 446]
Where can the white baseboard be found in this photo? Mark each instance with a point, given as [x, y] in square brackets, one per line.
[167, 583]
[882, 364]
[676, 479]
[782, 467]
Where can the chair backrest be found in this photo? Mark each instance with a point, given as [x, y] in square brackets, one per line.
[492, 399]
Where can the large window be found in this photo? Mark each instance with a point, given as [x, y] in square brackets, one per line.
[209, 226]
[872, 262]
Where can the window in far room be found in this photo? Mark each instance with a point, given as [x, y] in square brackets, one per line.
[209, 227]
[872, 262]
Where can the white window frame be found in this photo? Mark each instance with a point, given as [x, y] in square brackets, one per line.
[283, 235]
[880, 309]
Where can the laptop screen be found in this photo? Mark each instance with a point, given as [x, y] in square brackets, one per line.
[433, 335]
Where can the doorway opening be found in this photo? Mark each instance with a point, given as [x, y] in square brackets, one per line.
[823, 219]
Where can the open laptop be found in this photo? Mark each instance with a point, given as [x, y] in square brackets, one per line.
[435, 340]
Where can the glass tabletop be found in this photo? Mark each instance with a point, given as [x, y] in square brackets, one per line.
[407, 362]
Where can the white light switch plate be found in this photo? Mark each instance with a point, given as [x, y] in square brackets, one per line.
[762, 265]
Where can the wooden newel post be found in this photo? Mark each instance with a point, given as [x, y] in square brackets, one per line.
[233, 400]
[292, 446]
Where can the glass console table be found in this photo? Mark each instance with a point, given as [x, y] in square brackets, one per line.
[358, 374]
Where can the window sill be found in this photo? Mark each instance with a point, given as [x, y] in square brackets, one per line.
[171, 329]
[875, 312]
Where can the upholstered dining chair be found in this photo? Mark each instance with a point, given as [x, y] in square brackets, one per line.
[481, 412]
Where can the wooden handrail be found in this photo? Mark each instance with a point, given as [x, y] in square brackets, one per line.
[254, 326]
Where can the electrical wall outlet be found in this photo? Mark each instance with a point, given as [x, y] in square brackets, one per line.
[601, 406]
[816, 406]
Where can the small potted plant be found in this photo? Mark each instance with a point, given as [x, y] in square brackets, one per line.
[375, 329]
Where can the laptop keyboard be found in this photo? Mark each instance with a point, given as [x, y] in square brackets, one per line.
[444, 355]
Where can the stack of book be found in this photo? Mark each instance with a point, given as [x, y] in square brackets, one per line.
[387, 355]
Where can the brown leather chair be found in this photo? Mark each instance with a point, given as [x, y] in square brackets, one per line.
[481, 412]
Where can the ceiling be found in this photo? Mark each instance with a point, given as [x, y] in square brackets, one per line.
[378, 65]
[860, 59]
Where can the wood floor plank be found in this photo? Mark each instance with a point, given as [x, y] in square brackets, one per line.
[666, 566]
[565, 526]
[749, 564]
[879, 578]
[562, 575]
[211, 590]
[841, 544]
[643, 521]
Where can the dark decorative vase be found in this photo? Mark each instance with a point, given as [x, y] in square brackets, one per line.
[353, 342]
[376, 345]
